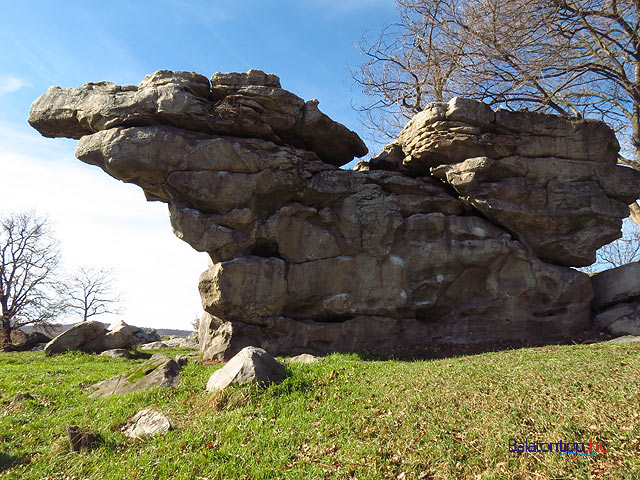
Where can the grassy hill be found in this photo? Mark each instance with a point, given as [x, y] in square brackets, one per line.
[342, 418]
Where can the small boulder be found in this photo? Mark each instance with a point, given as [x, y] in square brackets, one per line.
[36, 338]
[250, 365]
[306, 358]
[91, 337]
[120, 335]
[22, 341]
[194, 337]
[116, 353]
[154, 346]
[145, 335]
[158, 371]
[625, 340]
[147, 422]
[183, 342]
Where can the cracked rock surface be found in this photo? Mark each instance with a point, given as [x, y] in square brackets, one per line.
[459, 232]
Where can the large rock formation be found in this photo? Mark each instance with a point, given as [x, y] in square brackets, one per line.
[459, 232]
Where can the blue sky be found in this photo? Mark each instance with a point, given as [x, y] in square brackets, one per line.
[102, 222]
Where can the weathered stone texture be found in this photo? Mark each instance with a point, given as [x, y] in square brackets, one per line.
[158, 371]
[250, 365]
[460, 231]
[551, 181]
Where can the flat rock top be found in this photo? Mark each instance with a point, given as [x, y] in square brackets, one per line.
[248, 104]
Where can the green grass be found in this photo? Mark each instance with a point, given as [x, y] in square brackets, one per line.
[343, 418]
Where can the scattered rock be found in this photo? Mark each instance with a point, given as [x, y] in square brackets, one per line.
[92, 337]
[625, 339]
[85, 336]
[81, 439]
[306, 358]
[193, 337]
[154, 346]
[174, 341]
[116, 353]
[147, 422]
[144, 335]
[250, 365]
[158, 371]
[620, 319]
[37, 338]
[183, 342]
[32, 341]
[119, 335]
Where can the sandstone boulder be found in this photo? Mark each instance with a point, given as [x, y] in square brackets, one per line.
[85, 336]
[250, 365]
[306, 358]
[119, 336]
[626, 339]
[182, 342]
[144, 335]
[154, 346]
[92, 337]
[147, 422]
[116, 353]
[617, 299]
[22, 341]
[158, 371]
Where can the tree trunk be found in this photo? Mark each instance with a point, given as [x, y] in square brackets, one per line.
[635, 213]
[5, 333]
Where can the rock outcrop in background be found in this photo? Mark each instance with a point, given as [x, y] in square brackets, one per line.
[461, 231]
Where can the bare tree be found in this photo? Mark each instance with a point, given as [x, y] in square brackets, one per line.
[417, 60]
[29, 259]
[90, 292]
[195, 324]
[624, 250]
[570, 57]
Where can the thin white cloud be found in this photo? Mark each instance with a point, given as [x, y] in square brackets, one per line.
[11, 84]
